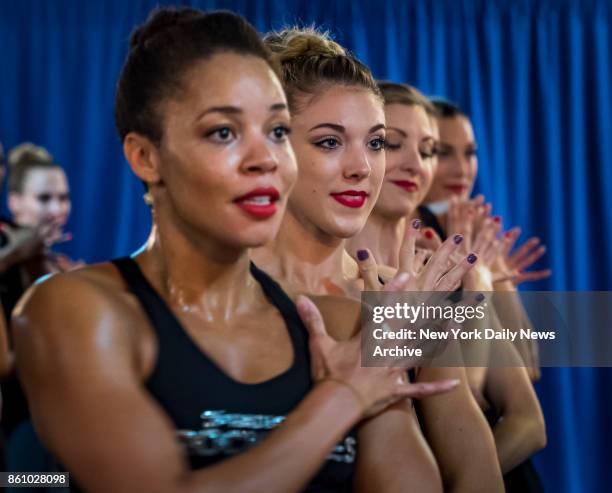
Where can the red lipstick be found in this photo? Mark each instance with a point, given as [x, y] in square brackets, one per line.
[260, 202]
[351, 198]
[407, 185]
[458, 189]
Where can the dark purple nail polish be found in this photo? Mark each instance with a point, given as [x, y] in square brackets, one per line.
[416, 224]
[480, 297]
[471, 258]
[362, 255]
[458, 239]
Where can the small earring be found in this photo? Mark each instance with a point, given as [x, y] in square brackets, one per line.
[148, 198]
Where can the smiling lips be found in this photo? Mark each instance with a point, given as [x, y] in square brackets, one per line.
[351, 198]
[458, 189]
[260, 203]
[407, 185]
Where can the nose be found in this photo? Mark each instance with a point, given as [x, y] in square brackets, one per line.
[260, 157]
[413, 162]
[357, 166]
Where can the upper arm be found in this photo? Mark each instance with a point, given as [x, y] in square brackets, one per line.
[76, 362]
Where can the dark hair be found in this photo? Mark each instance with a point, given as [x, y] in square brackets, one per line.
[309, 58]
[23, 159]
[446, 109]
[394, 93]
[165, 47]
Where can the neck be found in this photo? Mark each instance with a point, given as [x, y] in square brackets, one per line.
[383, 237]
[197, 274]
[307, 259]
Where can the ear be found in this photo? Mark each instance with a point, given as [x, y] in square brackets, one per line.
[14, 202]
[143, 157]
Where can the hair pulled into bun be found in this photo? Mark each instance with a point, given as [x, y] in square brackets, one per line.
[310, 60]
[293, 43]
[162, 20]
[24, 158]
[28, 153]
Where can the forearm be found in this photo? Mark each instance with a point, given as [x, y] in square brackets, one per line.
[394, 456]
[287, 459]
[460, 437]
[517, 438]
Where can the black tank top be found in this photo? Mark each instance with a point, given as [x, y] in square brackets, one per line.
[431, 220]
[215, 416]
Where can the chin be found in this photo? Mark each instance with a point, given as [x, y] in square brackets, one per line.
[396, 211]
[347, 229]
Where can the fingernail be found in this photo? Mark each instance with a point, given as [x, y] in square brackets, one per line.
[403, 277]
[428, 234]
[497, 219]
[416, 224]
[471, 258]
[508, 234]
[458, 239]
[480, 297]
[455, 381]
[362, 255]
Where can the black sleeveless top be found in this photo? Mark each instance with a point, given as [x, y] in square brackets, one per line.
[215, 416]
[431, 220]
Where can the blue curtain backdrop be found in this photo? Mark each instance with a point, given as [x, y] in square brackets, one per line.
[534, 75]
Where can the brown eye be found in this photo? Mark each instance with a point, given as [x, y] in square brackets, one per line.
[443, 151]
[43, 198]
[220, 134]
[281, 132]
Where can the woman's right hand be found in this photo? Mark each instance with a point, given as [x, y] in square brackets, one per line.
[340, 361]
[26, 242]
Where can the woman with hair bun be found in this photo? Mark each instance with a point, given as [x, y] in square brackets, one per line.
[339, 136]
[410, 173]
[185, 368]
[39, 201]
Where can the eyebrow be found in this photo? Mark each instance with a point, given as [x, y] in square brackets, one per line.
[341, 129]
[234, 110]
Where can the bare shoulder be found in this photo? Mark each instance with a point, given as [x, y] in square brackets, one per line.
[75, 315]
[79, 293]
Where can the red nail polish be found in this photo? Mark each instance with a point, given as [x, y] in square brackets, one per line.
[497, 219]
[507, 234]
[428, 234]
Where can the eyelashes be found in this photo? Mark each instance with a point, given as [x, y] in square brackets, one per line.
[330, 143]
[225, 134]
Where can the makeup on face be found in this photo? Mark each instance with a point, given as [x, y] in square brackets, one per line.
[227, 163]
[410, 149]
[45, 197]
[339, 139]
[353, 199]
[457, 161]
[260, 202]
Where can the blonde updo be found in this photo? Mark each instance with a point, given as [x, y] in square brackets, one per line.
[22, 159]
[310, 60]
